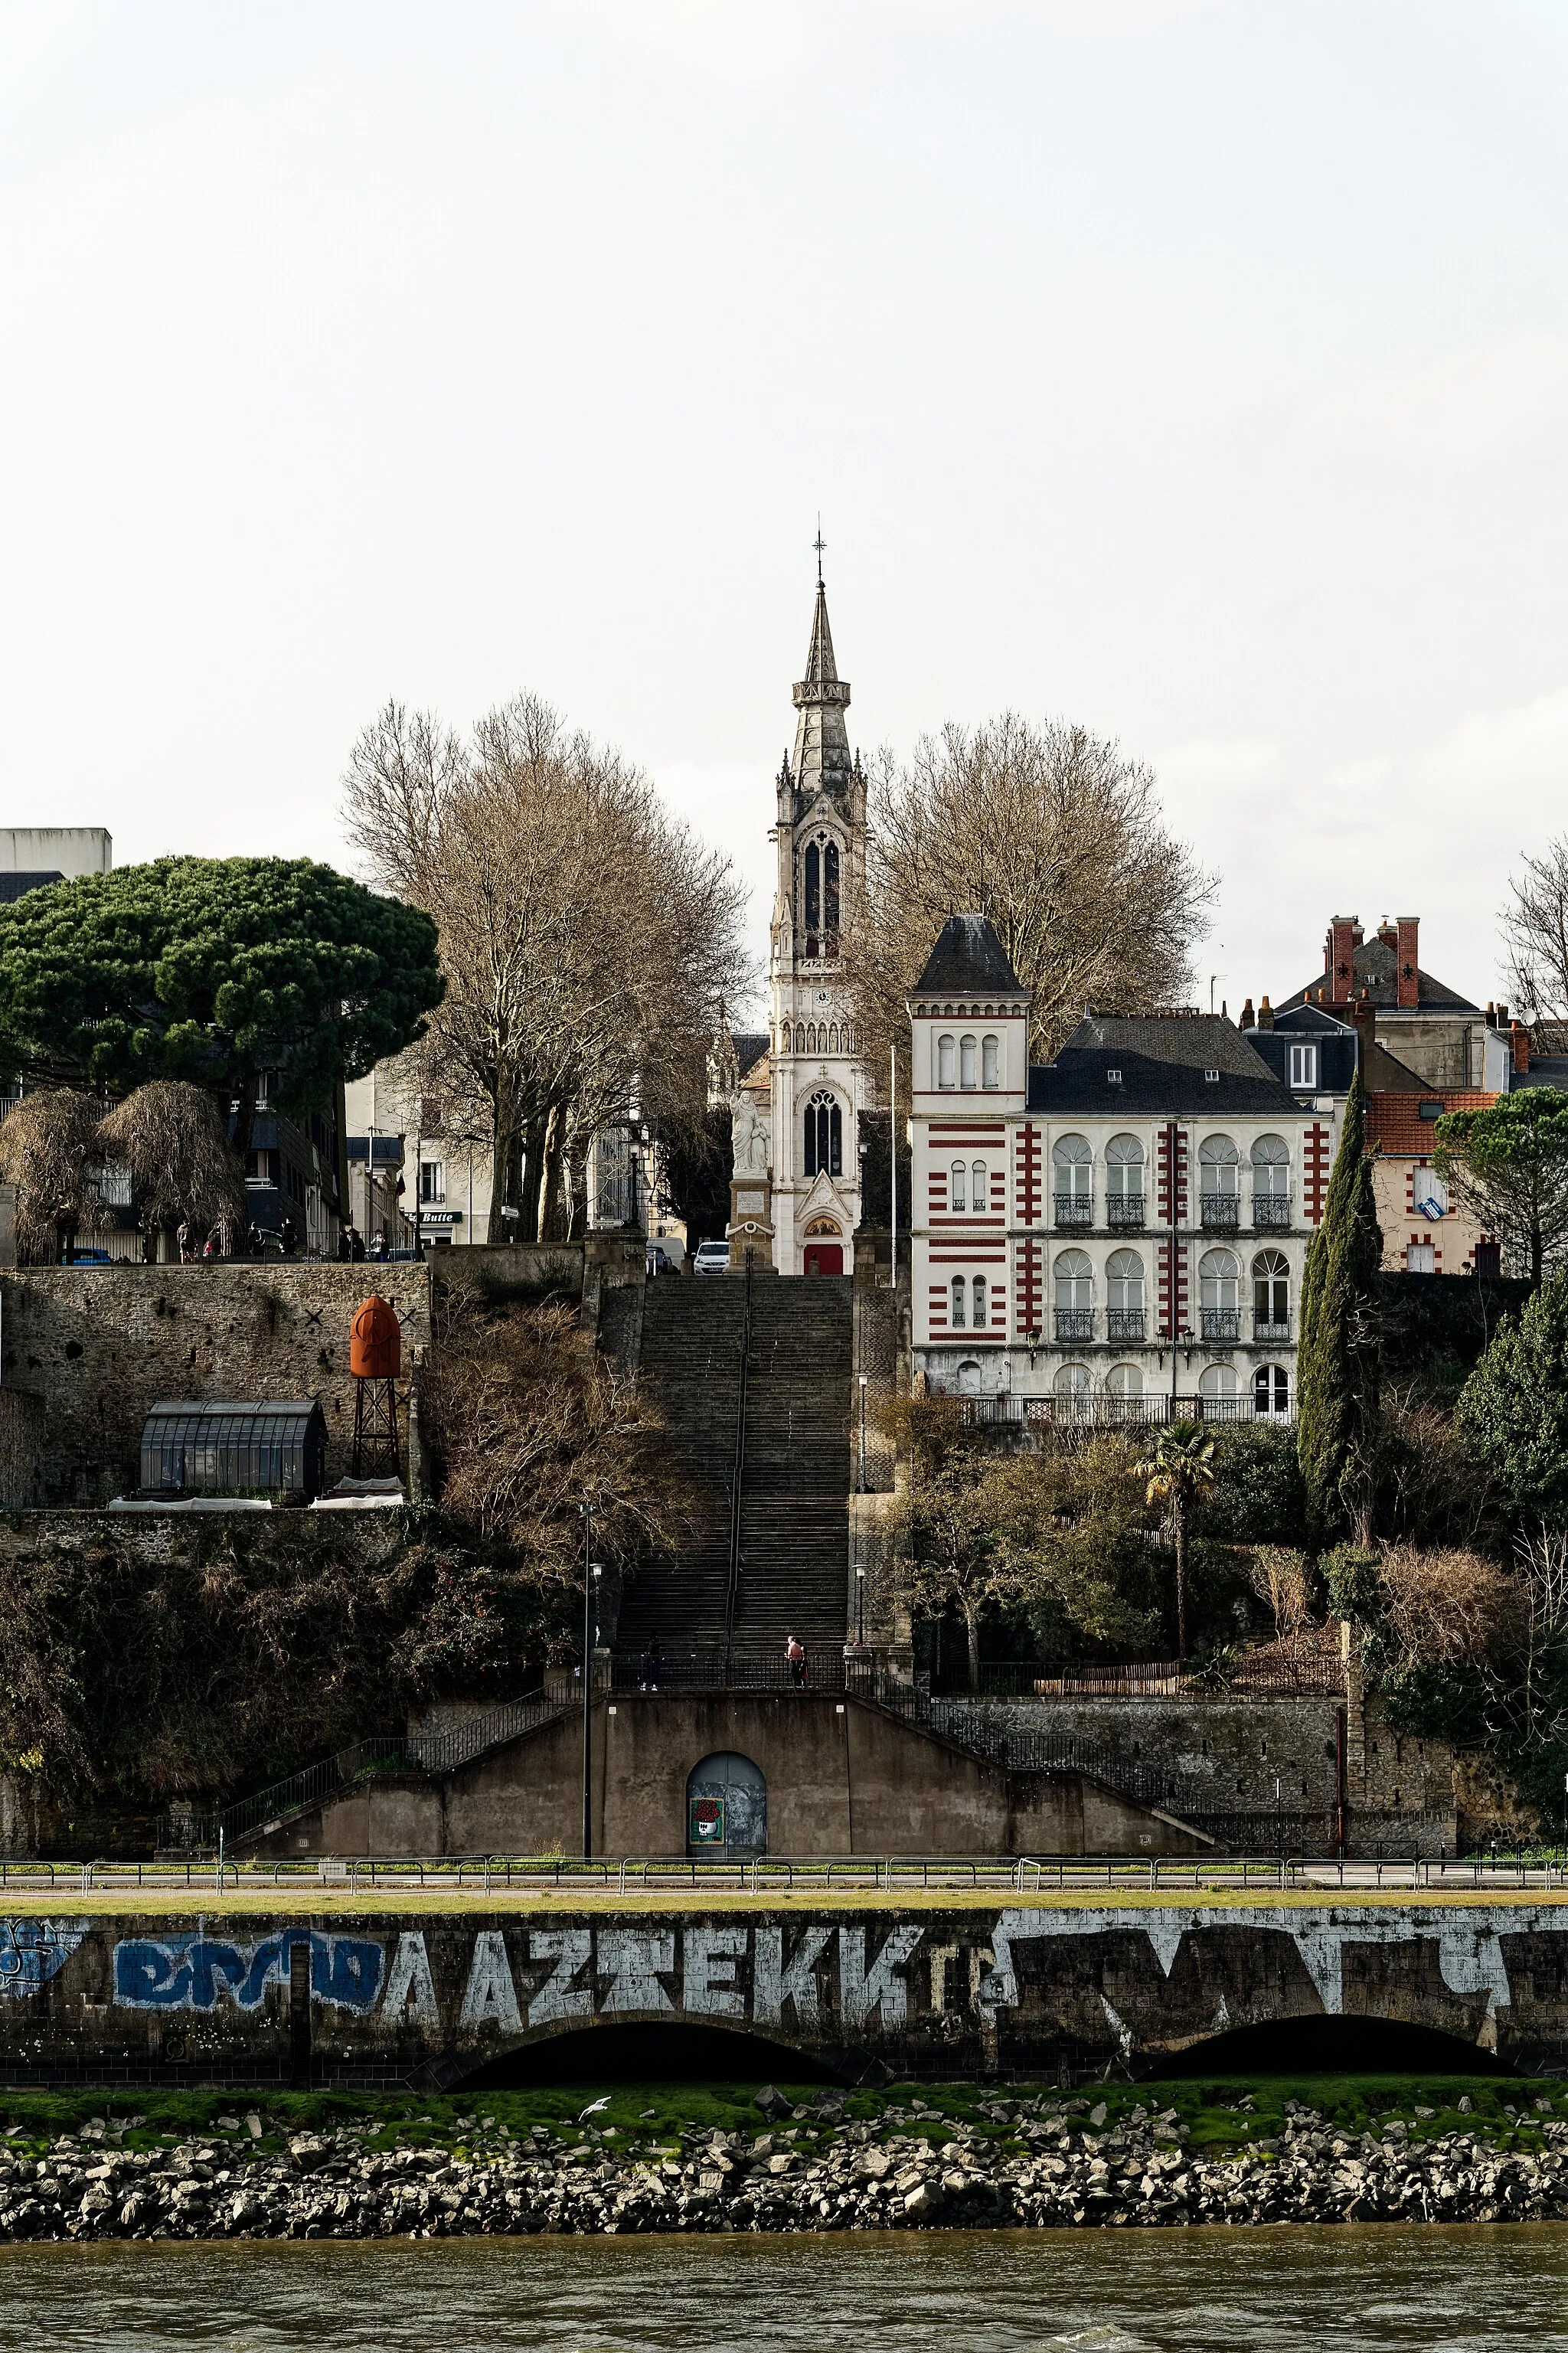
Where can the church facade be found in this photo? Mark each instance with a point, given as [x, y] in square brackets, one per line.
[809, 1087]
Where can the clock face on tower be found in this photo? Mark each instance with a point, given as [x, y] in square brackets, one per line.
[822, 997]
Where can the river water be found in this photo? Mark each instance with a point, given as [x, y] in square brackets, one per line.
[1369, 2290]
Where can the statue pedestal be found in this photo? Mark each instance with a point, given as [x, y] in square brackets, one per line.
[750, 1228]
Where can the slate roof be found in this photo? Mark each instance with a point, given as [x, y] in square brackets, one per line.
[968, 957]
[1336, 1047]
[1163, 1059]
[751, 1048]
[1374, 967]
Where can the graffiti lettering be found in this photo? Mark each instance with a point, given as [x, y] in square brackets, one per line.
[33, 1951]
[708, 1972]
[861, 1990]
[560, 1997]
[773, 1984]
[490, 1994]
[631, 1958]
[190, 1972]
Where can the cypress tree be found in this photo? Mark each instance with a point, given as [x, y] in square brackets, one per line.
[1337, 1365]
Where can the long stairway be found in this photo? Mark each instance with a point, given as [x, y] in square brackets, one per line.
[793, 1464]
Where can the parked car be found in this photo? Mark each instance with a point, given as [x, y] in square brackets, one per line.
[712, 1258]
[660, 1261]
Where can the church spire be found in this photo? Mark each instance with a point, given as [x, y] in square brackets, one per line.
[822, 740]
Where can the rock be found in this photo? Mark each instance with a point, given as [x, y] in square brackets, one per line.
[927, 2199]
[771, 2102]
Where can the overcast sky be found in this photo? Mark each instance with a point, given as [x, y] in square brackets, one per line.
[1199, 371]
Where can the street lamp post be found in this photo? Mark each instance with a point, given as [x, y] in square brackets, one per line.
[862, 1487]
[1280, 1811]
[591, 1576]
[860, 1605]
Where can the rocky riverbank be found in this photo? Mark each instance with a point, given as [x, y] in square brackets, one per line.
[1019, 2163]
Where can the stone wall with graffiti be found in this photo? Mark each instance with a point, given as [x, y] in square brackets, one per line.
[429, 1999]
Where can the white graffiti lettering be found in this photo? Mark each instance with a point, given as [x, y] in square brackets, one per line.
[633, 1959]
[570, 1949]
[410, 1988]
[773, 1984]
[708, 1972]
[489, 1993]
[862, 1990]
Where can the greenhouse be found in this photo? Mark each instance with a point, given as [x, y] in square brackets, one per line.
[277, 1446]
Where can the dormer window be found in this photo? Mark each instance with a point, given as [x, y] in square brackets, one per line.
[1211, 1078]
[1304, 1067]
[1114, 1078]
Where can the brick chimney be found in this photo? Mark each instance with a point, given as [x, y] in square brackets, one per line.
[1407, 990]
[1248, 1019]
[1344, 938]
[1363, 1013]
[1518, 1037]
[1265, 1014]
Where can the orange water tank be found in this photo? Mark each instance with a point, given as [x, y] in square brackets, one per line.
[375, 1341]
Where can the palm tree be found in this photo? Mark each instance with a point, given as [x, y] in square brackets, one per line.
[1180, 1466]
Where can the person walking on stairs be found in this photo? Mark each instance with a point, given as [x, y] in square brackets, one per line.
[794, 1652]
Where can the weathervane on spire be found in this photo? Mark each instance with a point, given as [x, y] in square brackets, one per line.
[819, 544]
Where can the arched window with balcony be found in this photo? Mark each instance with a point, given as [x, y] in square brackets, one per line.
[1124, 1295]
[958, 1186]
[1217, 1398]
[1073, 1284]
[981, 1318]
[1125, 1383]
[968, 1063]
[1073, 1164]
[960, 1292]
[1271, 1295]
[990, 1061]
[1219, 1298]
[1072, 1392]
[946, 1061]
[1124, 1181]
[1219, 1184]
[1270, 1182]
[1271, 1390]
[824, 1136]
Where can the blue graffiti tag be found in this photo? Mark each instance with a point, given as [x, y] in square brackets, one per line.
[190, 1972]
[33, 1951]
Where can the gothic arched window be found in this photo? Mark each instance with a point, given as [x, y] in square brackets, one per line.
[824, 1136]
[813, 888]
[830, 887]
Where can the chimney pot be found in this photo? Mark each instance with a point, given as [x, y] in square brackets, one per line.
[1265, 1014]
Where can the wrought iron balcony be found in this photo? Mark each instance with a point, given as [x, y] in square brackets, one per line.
[1075, 1209]
[1124, 1209]
[1271, 1212]
[1220, 1323]
[1262, 1329]
[1075, 1323]
[1124, 1323]
[1221, 1212]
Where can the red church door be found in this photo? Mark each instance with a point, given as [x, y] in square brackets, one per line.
[824, 1258]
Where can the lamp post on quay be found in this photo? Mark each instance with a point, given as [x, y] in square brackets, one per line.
[591, 1573]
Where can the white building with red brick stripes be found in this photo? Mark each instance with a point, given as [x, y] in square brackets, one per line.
[1118, 1234]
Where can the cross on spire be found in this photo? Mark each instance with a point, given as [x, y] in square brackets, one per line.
[819, 544]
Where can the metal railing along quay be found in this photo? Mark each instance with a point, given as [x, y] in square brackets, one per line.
[653, 1875]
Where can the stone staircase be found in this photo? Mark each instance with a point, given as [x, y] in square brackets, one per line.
[793, 1464]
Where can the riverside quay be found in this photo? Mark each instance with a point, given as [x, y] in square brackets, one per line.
[436, 1996]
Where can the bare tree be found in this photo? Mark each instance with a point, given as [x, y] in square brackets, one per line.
[1056, 835]
[46, 1152]
[1535, 928]
[170, 1139]
[589, 942]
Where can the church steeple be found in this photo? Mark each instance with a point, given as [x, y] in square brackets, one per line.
[822, 762]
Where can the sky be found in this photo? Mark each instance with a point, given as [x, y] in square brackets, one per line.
[1195, 371]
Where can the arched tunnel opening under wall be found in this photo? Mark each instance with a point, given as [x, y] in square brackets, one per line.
[1330, 2046]
[645, 2053]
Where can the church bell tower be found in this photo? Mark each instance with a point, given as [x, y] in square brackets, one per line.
[818, 1086]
